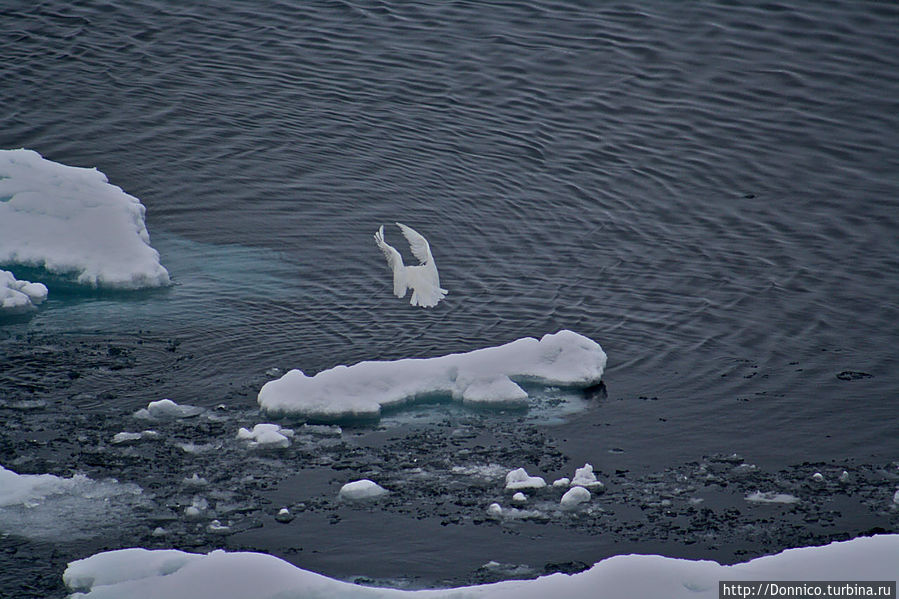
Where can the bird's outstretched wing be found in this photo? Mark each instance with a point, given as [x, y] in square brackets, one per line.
[418, 244]
[394, 261]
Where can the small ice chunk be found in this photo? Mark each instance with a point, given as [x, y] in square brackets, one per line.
[495, 510]
[266, 434]
[284, 515]
[159, 532]
[361, 490]
[574, 497]
[520, 497]
[584, 477]
[196, 481]
[519, 479]
[16, 296]
[759, 497]
[896, 497]
[818, 477]
[844, 477]
[124, 437]
[217, 528]
[166, 409]
[194, 448]
[197, 508]
[562, 483]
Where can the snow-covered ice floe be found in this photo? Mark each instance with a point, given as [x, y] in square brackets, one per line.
[17, 297]
[142, 574]
[483, 377]
[71, 222]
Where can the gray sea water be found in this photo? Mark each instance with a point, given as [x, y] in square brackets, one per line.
[710, 190]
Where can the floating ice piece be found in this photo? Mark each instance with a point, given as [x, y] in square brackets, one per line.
[217, 528]
[72, 222]
[520, 479]
[574, 497]
[896, 497]
[844, 477]
[146, 574]
[818, 477]
[196, 481]
[197, 508]
[284, 515]
[563, 482]
[495, 510]
[49, 507]
[266, 434]
[584, 477]
[159, 532]
[166, 409]
[423, 279]
[759, 497]
[520, 497]
[362, 489]
[483, 377]
[18, 297]
[126, 437]
[485, 471]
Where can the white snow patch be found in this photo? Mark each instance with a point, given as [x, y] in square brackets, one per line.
[166, 409]
[574, 497]
[72, 222]
[361, 490]
[759, 497]
[562, 483]
[486, 377]
[145, 574]
[18, 297]
[266, 435]
[519, 479]
[520, 497]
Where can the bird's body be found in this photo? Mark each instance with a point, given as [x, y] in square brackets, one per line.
[422, 279]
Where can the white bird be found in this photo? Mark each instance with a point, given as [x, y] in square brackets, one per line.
[422, 279]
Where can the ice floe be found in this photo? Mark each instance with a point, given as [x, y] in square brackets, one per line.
[126, 437]
[483, 377]
[166, 409]
[143, 573]
[361, 490]
[759, 497]
[17, 297]
[71, 222]
[266, 435]
[49, 506]
[584, 477]
[574, 496]
[519, 479]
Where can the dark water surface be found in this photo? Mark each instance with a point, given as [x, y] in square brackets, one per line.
[710, 190]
